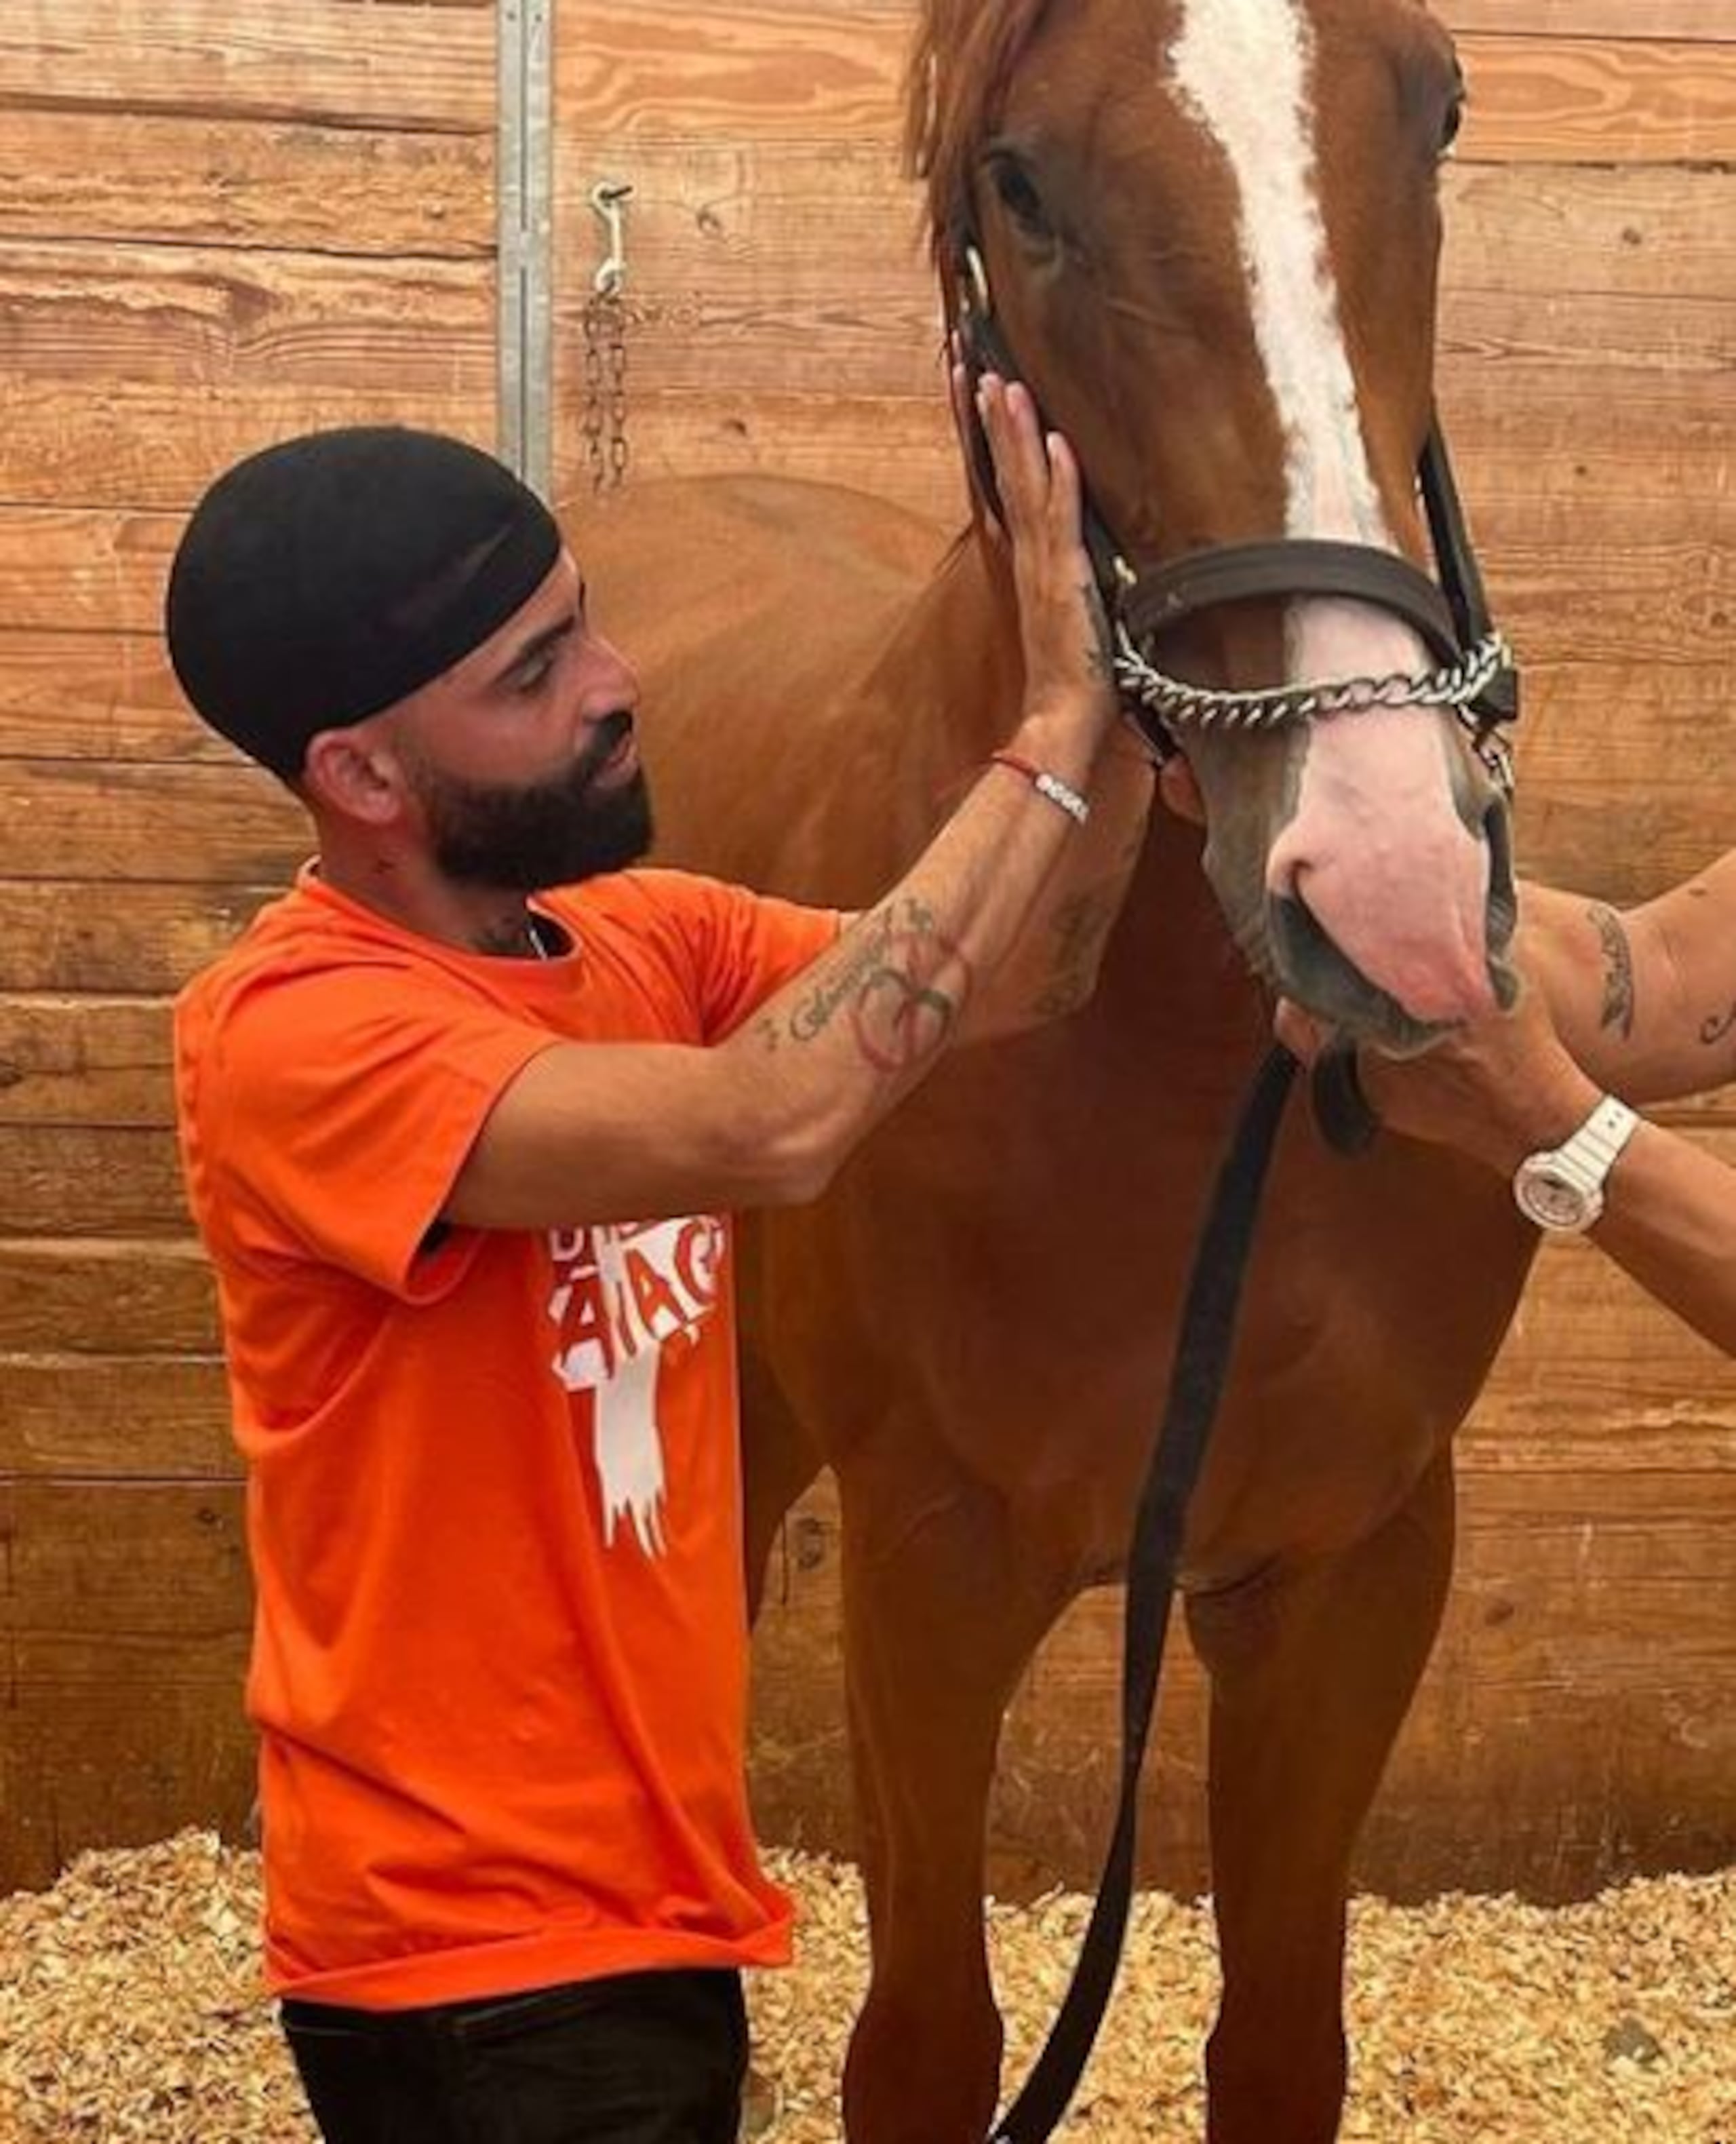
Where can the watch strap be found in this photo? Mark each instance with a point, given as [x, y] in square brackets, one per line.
[1591, 1152]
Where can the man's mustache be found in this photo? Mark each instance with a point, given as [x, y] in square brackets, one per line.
[602, 747]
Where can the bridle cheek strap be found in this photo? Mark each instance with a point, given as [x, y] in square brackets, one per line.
[1452, 619]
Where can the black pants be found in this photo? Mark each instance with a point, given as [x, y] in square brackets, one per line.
[646, 2058]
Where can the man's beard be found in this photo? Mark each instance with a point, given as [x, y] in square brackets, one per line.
[547, 834]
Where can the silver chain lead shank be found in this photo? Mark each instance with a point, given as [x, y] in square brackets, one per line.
[1179, 706]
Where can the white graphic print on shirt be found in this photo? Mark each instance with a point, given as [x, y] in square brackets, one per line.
[622, 1293]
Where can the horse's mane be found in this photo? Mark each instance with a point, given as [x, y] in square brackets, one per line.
[963, 60]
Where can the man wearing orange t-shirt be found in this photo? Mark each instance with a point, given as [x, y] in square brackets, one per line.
[463, 1118]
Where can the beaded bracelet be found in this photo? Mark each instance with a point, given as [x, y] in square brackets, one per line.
[1061, 794]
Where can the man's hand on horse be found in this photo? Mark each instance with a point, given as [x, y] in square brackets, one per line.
[1497, 1090]
[1068, 656]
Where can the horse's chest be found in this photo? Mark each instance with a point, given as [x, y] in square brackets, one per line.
[1016, 1298]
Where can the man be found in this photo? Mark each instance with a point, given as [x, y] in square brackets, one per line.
[463, 1118]
[1620, 1011]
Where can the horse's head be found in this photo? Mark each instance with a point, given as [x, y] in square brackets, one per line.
[1206, 232]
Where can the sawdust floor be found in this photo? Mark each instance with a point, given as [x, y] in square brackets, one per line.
[130, 2013]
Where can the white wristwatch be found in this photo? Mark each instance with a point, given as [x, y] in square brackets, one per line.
[1562, 1189]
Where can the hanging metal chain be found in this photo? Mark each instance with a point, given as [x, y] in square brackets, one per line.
[605, 323]
[606, 440]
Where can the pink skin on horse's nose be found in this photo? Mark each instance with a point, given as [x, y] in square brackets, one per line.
[1378, 854]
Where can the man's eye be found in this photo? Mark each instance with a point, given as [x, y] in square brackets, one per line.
[535, 673]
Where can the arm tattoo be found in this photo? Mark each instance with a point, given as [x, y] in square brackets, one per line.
[1080, 925]
[1718, 1028]
[1617, 970]
[899, 989]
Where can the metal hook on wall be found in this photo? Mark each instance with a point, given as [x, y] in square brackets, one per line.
[609, 198]
[605, 325]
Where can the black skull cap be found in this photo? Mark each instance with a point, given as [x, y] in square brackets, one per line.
[328, 578]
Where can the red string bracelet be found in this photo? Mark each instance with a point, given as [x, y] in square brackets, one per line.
[1061, 794]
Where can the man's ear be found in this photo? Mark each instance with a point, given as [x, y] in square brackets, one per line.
[355, 774]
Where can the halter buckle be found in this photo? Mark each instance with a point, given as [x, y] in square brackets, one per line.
[974, 284]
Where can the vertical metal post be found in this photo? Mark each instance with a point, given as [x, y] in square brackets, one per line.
[524, 191]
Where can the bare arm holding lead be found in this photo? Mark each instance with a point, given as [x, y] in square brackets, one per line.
[1618, 1010]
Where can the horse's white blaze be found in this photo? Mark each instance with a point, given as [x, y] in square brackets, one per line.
[1244, 69]
[1388, 867]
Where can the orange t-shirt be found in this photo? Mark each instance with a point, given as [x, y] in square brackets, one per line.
[500, 1662]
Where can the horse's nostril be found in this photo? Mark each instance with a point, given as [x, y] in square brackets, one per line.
[1309, 969]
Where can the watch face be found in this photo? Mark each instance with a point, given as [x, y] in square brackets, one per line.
[1551, 1201]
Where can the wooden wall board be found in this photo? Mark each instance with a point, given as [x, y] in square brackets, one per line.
[94, 696]
[124, 1624]
[120, 1763]
[104, 177]
[62, 1180]
[64, 934]
[183, 1591]
[72, 818]
[62, 1296]
[1598, 100]
[172, 363]
[85, 1060]
[1629, 20]
[321, 62]
[742, 70]
[1554, 230]
[85, 1417]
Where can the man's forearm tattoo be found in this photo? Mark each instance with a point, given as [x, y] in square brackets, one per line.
[1718, 1028]
[901, 989]
[1080, 925]
[816, 1011]
[1617, 970]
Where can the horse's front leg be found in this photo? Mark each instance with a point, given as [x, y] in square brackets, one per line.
[1311, 1675]
[940, 1619]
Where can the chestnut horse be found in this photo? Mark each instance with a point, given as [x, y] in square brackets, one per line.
[1210, 230]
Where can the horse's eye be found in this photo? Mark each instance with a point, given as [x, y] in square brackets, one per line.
[1019, 197]
[1452, 122]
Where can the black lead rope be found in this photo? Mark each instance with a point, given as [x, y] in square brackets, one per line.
[1196, 1388]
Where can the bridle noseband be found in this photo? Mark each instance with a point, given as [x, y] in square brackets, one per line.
[1474, 673]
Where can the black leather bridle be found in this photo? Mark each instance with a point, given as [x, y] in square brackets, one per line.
[1476, 676]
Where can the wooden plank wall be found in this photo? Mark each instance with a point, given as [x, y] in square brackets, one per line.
[1581, 1718]
[222, 221]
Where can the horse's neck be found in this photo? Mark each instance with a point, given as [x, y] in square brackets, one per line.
[951, 678]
